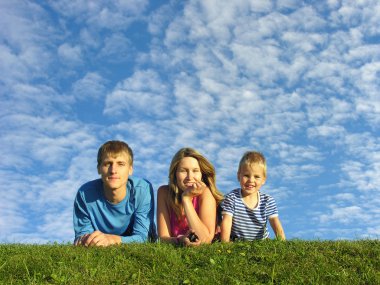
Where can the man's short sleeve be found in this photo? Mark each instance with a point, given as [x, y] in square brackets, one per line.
[81, 219]
[143, 225]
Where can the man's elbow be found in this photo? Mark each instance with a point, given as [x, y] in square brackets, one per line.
[138, 238]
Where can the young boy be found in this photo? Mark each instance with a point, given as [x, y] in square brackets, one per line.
[117, 208]
[246, 210]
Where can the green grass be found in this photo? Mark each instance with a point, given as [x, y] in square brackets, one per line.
[261, 262]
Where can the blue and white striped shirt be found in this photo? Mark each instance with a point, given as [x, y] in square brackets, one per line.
[249, 224]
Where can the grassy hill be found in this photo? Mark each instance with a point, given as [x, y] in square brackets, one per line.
[261, 262]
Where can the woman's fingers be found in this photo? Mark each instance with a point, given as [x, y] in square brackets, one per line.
[200, 185]
[197, 189]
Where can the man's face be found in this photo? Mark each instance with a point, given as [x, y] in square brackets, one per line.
[115, 170]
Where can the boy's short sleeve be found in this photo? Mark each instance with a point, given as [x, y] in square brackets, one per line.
[271, 210]
[228, 204]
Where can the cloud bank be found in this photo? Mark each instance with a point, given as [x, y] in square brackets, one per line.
[296, 80]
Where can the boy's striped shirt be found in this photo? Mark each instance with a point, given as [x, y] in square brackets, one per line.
[249, 224]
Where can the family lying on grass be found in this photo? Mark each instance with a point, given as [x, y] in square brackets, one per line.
[119, 208]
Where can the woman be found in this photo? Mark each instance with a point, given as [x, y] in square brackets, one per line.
[188, 204]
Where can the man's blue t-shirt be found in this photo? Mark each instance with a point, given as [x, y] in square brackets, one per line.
[132, 218]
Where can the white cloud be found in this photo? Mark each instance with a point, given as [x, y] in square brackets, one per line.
[92, 86]
[287, 4]
[57, 226]
[342, 197]
[303, 42]
[25, 40]
[294, 173]
[13, 219]
[142, 93]
[361, 176]
[117, 48]
[361, 54]
[368, 105]
[70, 54]
[51, 158]
[258, 62]
[352, 13]
[364, 145]
[346, 215]
[22, 28]
[334, 132]
[89, 38]
[76, 7]
[262, 6]
[103, 14]
[295, 153]
[158, 19]
[11, 68]
[372, 232]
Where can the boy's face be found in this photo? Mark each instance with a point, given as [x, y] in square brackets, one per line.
[251, 178]
[115, 170]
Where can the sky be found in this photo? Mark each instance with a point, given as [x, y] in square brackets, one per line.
[296, 80]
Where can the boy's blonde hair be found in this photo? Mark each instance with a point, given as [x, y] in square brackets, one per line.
[253, 157]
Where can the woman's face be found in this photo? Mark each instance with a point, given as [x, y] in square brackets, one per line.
[188, 172]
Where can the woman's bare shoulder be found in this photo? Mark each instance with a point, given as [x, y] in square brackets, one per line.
[163, 190]
[206, 195]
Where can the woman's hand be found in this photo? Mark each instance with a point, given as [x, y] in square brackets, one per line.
[185, 240]
[197, 189]
[202, 221]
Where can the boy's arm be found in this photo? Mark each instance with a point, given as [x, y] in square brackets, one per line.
[277, 227]
[226, 228]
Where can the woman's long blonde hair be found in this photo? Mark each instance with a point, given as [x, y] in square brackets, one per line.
[208, 177]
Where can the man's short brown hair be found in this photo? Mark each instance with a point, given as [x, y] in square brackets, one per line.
[114, 147]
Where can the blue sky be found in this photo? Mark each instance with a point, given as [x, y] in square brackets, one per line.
[296, 80]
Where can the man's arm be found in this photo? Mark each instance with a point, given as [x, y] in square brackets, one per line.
[97, 238]
[144, 213]
[81, 221]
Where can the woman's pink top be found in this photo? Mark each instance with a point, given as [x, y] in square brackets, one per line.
[181, 227]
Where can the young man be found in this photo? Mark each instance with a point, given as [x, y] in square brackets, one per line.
[117, 208]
